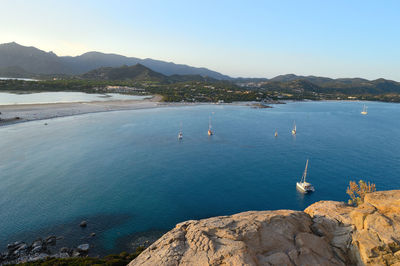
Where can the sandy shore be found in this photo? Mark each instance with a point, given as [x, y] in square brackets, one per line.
[11, 114]
[28, 112]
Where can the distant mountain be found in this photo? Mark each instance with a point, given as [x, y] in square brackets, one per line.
[35, 61]
[137, 72]
[321, 81]
[30, 59]
[14, 72]
[292, 82]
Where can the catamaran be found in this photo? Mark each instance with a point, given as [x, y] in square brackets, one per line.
[209, 128]
[294, 130]
[303, 185]
[364, 111]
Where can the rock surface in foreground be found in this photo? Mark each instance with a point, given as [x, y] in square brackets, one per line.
[326, 233]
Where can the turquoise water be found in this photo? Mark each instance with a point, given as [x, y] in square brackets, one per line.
[126, 171]
[61, 97]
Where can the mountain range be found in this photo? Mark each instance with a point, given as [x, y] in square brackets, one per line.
[20, 60]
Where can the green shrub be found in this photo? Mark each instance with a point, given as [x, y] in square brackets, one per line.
[358, 191]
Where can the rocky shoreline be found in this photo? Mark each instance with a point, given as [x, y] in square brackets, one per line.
[77, 239]
[325, 233]
[19, 252]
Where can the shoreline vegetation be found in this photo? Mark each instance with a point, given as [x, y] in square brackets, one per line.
[140, 80]
[178, 90]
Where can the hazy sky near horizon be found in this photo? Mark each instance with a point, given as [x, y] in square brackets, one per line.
[342, 38]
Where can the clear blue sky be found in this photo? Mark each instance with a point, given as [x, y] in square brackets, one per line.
[348, 38]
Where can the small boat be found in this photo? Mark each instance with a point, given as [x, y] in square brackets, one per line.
[304, 186]
[276, 133]
[294, 130]
[210, 132]
[364, 111]
[180, 134]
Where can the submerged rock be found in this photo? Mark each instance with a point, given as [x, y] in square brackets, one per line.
[51, 240]
[83, 248]
[83, 224]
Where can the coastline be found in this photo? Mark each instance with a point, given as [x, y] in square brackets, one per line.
[20, 113]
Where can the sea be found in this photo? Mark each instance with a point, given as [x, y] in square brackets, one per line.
[128, 175]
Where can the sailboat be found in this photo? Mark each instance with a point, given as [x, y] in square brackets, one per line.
[294, 130]
[364, 111]
[180, 134]
[276, 133]
[209, 132]
[303, 185]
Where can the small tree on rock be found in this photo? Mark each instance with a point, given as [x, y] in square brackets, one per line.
[358, 191]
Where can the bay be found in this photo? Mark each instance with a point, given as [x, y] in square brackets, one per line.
[127, 173]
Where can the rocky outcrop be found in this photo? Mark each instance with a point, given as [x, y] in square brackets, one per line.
[326, 233]
[21, 252]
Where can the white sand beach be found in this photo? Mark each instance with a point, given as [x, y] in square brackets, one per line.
[28, 112]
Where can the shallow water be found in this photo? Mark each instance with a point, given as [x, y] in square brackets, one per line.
[130, 164]
[61, 97]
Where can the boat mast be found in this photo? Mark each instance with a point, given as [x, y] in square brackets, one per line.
[305, 173]
[209, 122]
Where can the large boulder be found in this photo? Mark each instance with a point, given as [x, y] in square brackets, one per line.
[378, 228]
[373, 234]
[326, 233]
[281, 237]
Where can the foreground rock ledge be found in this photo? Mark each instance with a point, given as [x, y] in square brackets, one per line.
[326, 233]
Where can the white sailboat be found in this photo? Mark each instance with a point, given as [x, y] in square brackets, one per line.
[364, 111]
[276, 133]
[303, 185]
[209, 132]
[294, 130]
[180, 134]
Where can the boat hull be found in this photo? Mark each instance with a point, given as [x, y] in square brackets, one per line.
[304, 187]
